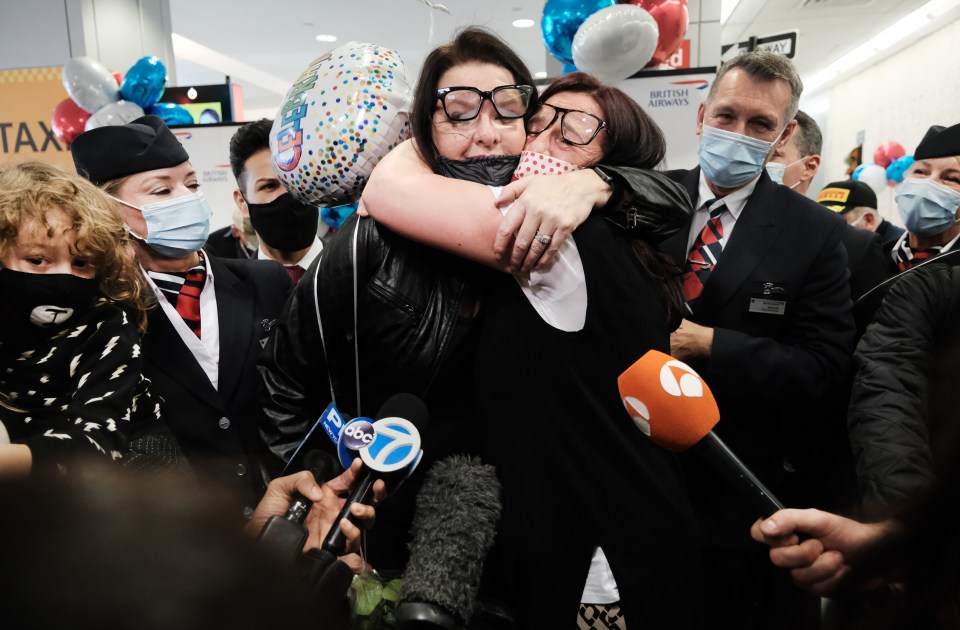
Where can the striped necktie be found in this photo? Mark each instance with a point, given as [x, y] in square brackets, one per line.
[906, 257]
[704, 256]
[182, 290]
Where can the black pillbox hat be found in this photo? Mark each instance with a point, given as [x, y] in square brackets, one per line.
[939, 142]
[115, 151]
[847, 195]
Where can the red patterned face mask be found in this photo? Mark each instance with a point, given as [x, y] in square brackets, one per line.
[532, 163]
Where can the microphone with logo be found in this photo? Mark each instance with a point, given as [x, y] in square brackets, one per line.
[390, 450]
[672, 405]
[284, 536]
[453, 529]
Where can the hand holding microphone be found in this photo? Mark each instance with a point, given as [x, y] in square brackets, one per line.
[672, 405]
[389, 449]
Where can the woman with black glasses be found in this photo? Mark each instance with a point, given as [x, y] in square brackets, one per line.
[594, 514]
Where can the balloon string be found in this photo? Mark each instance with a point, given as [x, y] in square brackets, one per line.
[430, 36]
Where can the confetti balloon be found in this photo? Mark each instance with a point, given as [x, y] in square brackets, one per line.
[341, 116]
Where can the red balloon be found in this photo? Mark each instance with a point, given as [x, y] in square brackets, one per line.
[68, 120]
[888, 152]
[118, 77]
[672, 19]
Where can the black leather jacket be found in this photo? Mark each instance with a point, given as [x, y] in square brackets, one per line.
[408, 298]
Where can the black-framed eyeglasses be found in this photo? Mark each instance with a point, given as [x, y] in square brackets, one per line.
[576, 127]
[463, 103]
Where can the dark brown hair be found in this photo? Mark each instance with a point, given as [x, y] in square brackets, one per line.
[631, 138]
[471, 45]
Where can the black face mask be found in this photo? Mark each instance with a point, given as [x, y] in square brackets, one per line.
[492, 171]
[285, 223]
[36, 302]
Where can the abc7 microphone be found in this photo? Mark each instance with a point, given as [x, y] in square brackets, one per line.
[390, 450]
[284, 536]
[673, 406]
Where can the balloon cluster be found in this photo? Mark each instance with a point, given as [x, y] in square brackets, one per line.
[99, 97]
[613, 40]
[889, 167]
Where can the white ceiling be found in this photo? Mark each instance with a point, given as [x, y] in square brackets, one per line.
[277, 37]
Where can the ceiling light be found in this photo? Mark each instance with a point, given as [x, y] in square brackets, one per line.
[726, 8]
[540, 75]
[900, 30]
[523, 23]
[326, 38]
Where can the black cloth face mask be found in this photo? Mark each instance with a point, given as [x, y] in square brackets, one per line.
[285, 223]
[32, 303]
[492, 171]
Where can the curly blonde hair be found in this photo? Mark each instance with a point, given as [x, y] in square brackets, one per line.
[31, 189]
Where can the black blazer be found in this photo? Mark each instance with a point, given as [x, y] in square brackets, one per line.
[216, 428]
[771, 372]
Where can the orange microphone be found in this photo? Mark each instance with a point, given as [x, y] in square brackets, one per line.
[672, 405]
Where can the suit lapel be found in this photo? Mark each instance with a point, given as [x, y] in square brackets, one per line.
[235, 310]
[163, 348]
[754, 234]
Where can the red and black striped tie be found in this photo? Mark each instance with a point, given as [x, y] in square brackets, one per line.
[908, 257]
[704, 256]
[188, 301]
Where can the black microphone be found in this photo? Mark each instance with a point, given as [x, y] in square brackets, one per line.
[453, 530]
[392, 454]
[673, 406]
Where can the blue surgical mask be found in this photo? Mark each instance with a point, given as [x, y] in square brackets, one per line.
[730, 159]
[926, 207]
[176, 227]
[776, 170]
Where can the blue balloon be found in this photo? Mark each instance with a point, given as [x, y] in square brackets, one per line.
[856, 172]
[172, 114]
[898, 168]
[335, 216]
[562, 18]
[144, 82]
[568, 68]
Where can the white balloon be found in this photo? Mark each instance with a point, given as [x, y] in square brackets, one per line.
[340, 117]
[615, 42]
[89, 83]
[119, 113]
[874, 176]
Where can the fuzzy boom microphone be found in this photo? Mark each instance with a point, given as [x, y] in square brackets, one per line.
[453, 529]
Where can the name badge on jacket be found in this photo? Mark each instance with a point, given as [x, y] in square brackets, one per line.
[773, 301]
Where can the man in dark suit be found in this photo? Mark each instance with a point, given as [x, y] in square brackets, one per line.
[213, 315]
[797, 163]
[767, 324]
